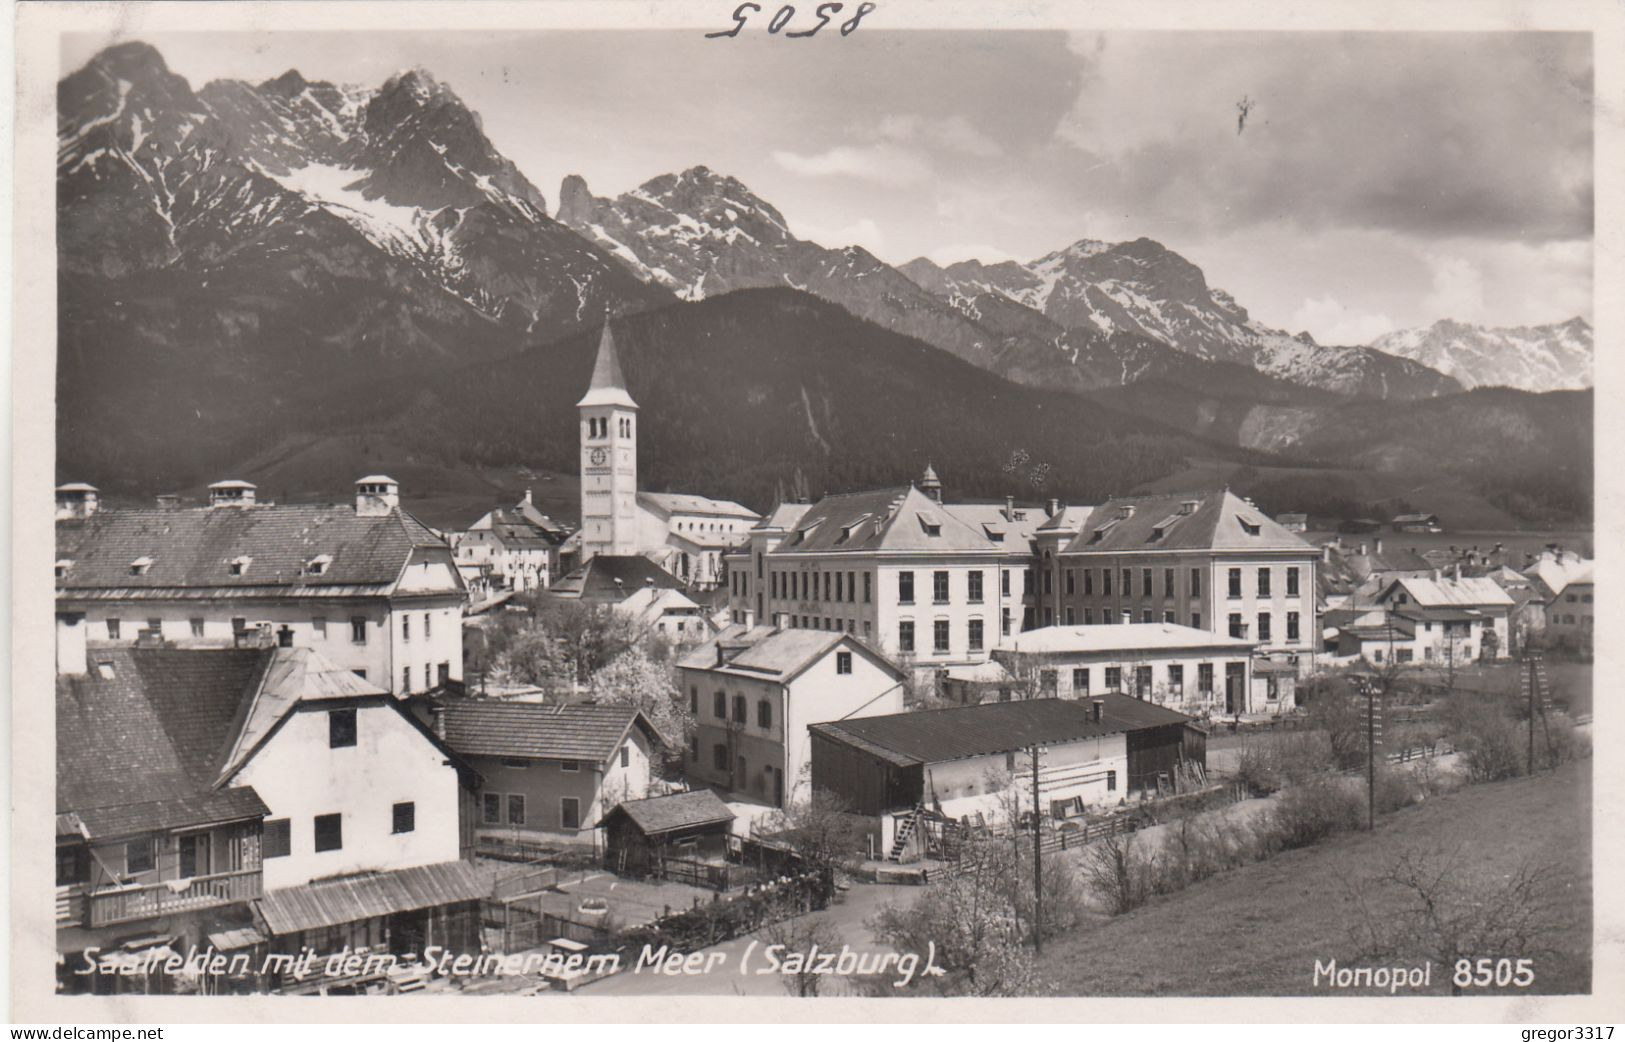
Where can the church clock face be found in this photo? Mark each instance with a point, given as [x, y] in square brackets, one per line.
[598, 457]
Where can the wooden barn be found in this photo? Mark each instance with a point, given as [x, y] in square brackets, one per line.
[642, 834]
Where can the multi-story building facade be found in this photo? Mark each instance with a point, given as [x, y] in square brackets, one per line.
[369, 586]
[753, 694]
[892, 566]
[1205, 560]
[519, 546]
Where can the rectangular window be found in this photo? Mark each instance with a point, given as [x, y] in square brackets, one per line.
[1142, 681]
[1145, 582]
[570, 766]
[1080, 681]
[569, 812]
[626, 756]
[1049, 581]
[843, 664]
[1236, 628]
[826, 584]
[1004, 582]
[156, 626]
[1204, 677]
[1114, 678]
[1291, 582]
[694, 701]
[1167, 582]
[867, 584]
[851, 587]
[973, 586]
[277, 840]
[112, 629]
[1088, 582]
[719, 706]
[516, 809]
[939, 636]
[1088, 614]
[1070, 618]
[1168, 617]
[1291, 625]
[905, 587]
[1004, 622]
[340, 728]
[139, 856]
[976, 634]
[406, 680]
[764, 713]
[719, 757]
[194, 855]
[358, 630]
[1027, 581]
[939, 587]
[197, 627]
[905, 636]
[1127, 587]
[1263, 582]
[1106, 581]
[1235, 582]
[1196, 582]
[1145, 616]
[839, 587]
[739, 709]
[1176, 679]
[1071, 582]
[491, 808]
[1264, 626]
[329, 832]
[1111, 781]
[1196, 620]
[1049, 616]
[427, 625]
[318, 626]
[403, 817]
[406, 628]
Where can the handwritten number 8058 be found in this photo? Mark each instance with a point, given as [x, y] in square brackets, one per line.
[782, 17]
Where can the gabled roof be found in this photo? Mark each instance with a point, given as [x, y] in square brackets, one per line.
[335, 902]
[784, 515]
[1558, 572]
[685, 503]
[1214, 521]
[612, 577]
[536, 731]
[194, 548]
[1451, 593]
[679, 810]
[608, 386]
[292, 676]
[1127, 638]
[884, 519]
[140, 739]
[937, 735]
[776, 654]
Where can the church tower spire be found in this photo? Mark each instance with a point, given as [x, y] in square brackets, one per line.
[609, 458]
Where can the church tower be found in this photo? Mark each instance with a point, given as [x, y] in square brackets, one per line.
[609, 459]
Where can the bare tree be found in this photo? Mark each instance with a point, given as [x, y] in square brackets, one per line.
[801, 936]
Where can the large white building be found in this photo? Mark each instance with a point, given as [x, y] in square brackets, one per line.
[369, 586]
[685, 534]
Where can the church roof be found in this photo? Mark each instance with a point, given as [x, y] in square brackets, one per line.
[608, 386]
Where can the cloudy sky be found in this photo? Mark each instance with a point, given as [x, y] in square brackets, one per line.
[1381, 180]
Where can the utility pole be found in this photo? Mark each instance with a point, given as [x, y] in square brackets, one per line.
[1038, 864]
[1533, 685]
[1373, 736]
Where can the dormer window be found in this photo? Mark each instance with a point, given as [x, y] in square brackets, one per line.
[140, 565]
[238, 566]
[1249, 525]
[62, 567]
[929, 522]
[318, 565]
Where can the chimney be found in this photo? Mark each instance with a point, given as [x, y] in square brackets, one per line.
[721, 658]
[1125, 511]
[1455, 573]
[76, 501]
[70, 643]
[377, 495]
[1326, 553]
[1054, 507]
[232, 494]
[1188, 507]
[526, 501]
[1009, 508]
[168, 501]
[1362, 549]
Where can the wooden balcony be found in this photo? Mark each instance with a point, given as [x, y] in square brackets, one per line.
[151, 900]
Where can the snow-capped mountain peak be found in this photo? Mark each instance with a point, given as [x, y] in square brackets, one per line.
[1549, 357]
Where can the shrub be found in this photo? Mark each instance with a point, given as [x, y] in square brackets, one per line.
[1398, 787]
[1492, 746]
[1308, 813]
[1119, 871]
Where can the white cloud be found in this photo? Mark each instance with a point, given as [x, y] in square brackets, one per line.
[1458, 288]
[882, 163]
[954, 134]
[958, 251]
[1330, 322]
[863, 232]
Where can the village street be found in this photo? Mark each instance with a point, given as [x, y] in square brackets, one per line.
[847, 916]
